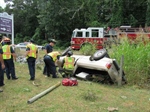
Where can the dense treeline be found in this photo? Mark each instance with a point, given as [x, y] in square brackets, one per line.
[43, 19]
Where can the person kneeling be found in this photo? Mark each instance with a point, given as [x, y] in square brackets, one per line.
[68, 65]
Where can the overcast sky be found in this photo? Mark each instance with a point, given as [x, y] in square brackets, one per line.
[2, 3]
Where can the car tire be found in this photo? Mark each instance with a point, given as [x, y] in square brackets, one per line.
[65, 51]
[99, 54]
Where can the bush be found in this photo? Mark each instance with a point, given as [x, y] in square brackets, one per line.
[136, 61]
[88, 49]
[62, 44]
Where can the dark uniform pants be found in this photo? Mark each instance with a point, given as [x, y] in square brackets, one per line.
[1, 76]
[44, 70]
[31, 66]
[50, 65]
[10, 68]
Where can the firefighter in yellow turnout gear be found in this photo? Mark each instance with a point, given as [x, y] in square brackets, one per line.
[50, 60]
[31, 55]
[8, 57]
[68, 64]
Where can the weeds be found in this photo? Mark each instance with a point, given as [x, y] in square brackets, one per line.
[136, 60]
[90, 96]
[88, 49]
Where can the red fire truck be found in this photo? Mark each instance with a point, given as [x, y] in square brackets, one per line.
[134, 34]
[101, 38]
[91, 35]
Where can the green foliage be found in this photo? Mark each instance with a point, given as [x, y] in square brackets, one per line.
[62, 44]
[43, 42]
[1, 9]
[136, 61]
[87, 49]
[25, 20]
[26, 39]
[42, 19]
[18, 38]
[148, 13]
[94, 23]
[90, 96]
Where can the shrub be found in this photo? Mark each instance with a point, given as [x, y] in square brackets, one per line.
[88, 49]
[136, 61]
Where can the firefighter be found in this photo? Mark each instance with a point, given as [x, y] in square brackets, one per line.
[50, 59]
[31, 56]
[2, 66]
[9, 57]
[68, 64]
[48, 49]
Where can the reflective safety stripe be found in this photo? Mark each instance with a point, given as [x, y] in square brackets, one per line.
[69, 63]
[6, 52]
[33, 50]
[54, 55]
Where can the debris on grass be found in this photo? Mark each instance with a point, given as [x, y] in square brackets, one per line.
[123, 97]
[26, 89]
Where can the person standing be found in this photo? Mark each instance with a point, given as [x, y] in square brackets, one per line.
[2, 66]
[48, 49]
[31, 56]
[8, 57]
[50, 59]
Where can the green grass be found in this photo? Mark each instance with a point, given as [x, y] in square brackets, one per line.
[136, 62]
[88, 49]
[86, 97]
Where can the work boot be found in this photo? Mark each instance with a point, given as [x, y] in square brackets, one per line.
[15, 78]
[31, 79]
[8, 77]
[55, 77]
[2, 84]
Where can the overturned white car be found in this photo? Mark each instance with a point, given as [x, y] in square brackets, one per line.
[99, 67]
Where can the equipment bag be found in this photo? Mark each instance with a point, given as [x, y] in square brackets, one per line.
[69, 82]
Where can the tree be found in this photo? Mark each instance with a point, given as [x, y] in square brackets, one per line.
[25, 12]
[44, 19]
[148, 13]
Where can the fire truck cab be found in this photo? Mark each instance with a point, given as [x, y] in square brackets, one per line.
[91, 35]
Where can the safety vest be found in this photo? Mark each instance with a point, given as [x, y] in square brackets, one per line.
[33, 50]
[69, 63]
[6, 52]
[54, 55]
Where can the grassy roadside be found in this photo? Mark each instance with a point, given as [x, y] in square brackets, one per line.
[136, 61]
[87, 96]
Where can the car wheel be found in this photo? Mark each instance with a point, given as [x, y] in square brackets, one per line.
[65, 51]
[99, 54]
